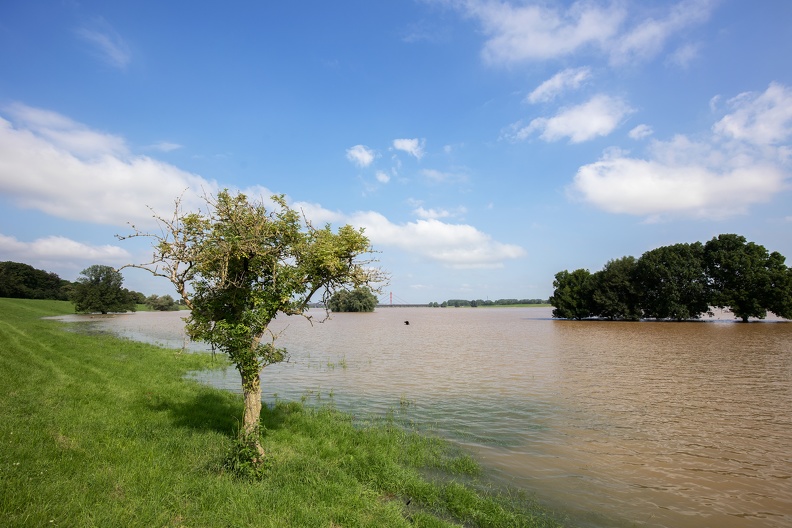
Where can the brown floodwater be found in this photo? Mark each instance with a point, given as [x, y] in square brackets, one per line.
[612, 424]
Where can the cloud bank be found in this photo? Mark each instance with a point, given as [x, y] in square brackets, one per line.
[743, 162]
[63, 168]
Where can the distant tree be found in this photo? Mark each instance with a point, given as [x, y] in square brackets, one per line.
[572, 295]
[99, 289]
[140, 298]
[743, 276]
[164, 303]
[672, 282]
[357, 300]
[240, 264]
[613, 292]
[23, 281]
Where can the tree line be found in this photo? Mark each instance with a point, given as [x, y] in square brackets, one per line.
[458, 303]
[98, 289]
[680, 282]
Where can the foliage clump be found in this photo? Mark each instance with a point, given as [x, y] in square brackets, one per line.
[23, 281]
[161, 303]
[680, 282]
[100, 290]
[357, 300]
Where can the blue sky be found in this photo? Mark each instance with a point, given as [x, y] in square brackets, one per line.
[484, 145]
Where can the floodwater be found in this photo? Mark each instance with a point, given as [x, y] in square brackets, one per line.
[613, 424]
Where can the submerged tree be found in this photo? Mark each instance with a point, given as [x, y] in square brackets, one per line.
[613, 290]
[357, 300]
[239, 265]
[746, 278]
[672, 282]
[572, 295]
[99, 289]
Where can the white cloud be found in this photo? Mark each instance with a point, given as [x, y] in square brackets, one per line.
[413, 147]
[421, 212]
[51, 163]
[569, 79]
[453, 245]
[60, 247]
[38, 170]
[110, 46]
[61, 252]
[640, 132]
[760, 119]
[741, 164]
[653, 188]
[541, 31]
[382, 177]
[65, 134]
[599, 116]
[361, 155]
[648, 37]
[536, 32]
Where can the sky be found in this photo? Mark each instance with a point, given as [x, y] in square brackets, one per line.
[484, 145]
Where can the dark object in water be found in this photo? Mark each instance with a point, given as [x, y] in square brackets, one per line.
[406, 322]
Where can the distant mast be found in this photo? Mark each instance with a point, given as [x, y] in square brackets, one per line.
[391, 298]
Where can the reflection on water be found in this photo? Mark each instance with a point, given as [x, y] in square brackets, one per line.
[618, 424]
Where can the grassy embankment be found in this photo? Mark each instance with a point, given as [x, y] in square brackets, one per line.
[99, 431]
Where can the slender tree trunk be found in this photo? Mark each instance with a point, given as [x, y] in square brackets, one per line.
[251, 390]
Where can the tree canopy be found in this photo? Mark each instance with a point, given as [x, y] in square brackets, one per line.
[99, 289]
[23, 281]
[680, 282]
[358, 300]
[240, 264]
[161, 303]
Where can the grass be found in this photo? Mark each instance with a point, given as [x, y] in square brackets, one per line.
[100, 431]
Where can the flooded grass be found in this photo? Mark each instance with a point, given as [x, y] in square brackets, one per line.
[101, 431]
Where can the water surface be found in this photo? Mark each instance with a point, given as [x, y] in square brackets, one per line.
[616, 424]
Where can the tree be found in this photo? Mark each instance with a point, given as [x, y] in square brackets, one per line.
[23, 281]
[672, 282]
[742, 276]
[572, 294]
[100, 290]
[239, 264]
[165, 303]
[780, 286]
[358, 300]
[613, 292]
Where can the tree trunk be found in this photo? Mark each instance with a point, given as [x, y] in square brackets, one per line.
[251, 390]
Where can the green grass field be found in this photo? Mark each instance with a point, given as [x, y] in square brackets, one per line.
[100, 431]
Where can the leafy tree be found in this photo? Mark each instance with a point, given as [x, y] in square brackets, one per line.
[99, 289]
[613, 293]
[23, 281]
[672, 281]
[780, 276]
[743, 275]
[572, 294]
[239, 264]
[161, 304]
[357, 300]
